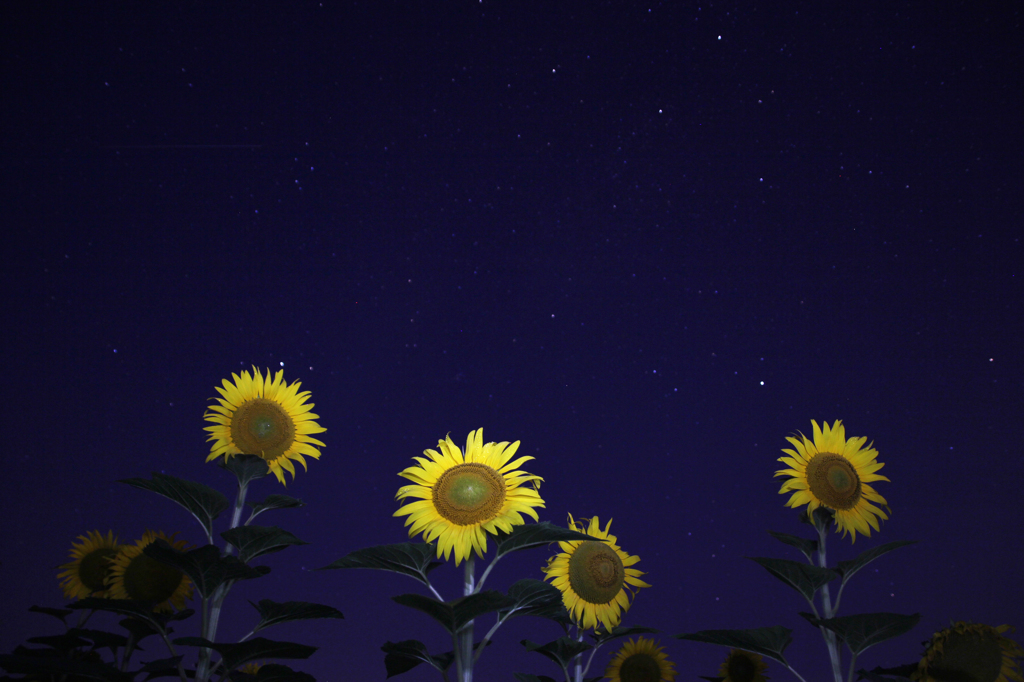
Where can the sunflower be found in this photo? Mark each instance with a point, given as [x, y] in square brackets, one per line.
[463, 495]
[265, 417]
[742, 666]
[134, 575]
[833, 472]
[86, 574]
[972, 652]
[594, 576]
[641, 661]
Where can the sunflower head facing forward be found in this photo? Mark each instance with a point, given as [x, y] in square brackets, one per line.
[263, 416]
[87, 572]
[458, 496]
[831, 471]
[641, 661]
[135, 575]
[743, 666]
[594, 576]
[970, 651]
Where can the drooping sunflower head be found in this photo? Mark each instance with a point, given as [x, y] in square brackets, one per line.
[641, 661]
[972, 652]
[595, 576]
[831, 471]
[136, 576]
[460, 495]
[263, 416]
[743, 666]
[86, 574]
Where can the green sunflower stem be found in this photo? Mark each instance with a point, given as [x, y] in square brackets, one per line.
[831, 642]
[465, 643]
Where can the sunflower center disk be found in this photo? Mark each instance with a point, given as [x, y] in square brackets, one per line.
[969, 656]
[641, 668]
[468, 494]
[741, 668]
[94, 568]
[261, 427]
[596, 573]
[146, 579]
[833, 480]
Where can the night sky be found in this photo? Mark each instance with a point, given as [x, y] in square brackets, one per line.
[649, 241]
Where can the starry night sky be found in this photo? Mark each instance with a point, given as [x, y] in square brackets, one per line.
[647, 240]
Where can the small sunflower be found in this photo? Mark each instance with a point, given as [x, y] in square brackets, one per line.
[834, 472]
[594, 576]
[136, 576]
[641, 661]
[970, 652]
[264, 417]
[743, 666]
[86, 574]
[463, 495]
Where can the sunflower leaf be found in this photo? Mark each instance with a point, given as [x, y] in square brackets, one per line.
[533, 598]
[803, 578]
[275, 502]
[272, 613]
[866, 629]
[406, 655]
[204, 565]
[454, 615]
[275, 672]
[254, 541]
[900, 673]
[414, 559]
[535, 535]
[202, 501]
[101, 639]
[163, 667]
[619, 631]
[770, 642]
[137, 610]
[528, 677]
[561, 651]
[60, 614]
[846, 569]
[36, 666]
[245, 467]
[235, 655]
[808, 547]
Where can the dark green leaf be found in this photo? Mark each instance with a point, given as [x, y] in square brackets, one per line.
[59, 614]
[536, 535]
[526, 677]
[275, 672]
[37, 666]
[64, 642]
[533, 598]
[139, 629]
[235, 655]
[619, 631]
[204, 565]
[900, 673]
[804, 578]
[770, 642]
[246, 468]
[846, 569]
[254, 541]
[276, 502]
[808, 547]
[864, 630]
[561, 651]
[455, 614]
[272, 613]
[138, 610]
[101, 639]
[162, 667]
[202, 501]
[414, 559]
[404, 656]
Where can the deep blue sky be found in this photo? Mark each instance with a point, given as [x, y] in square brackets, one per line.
[647, 240]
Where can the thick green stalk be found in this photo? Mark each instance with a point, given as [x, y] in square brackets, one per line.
[827, 612]
[464, 655]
